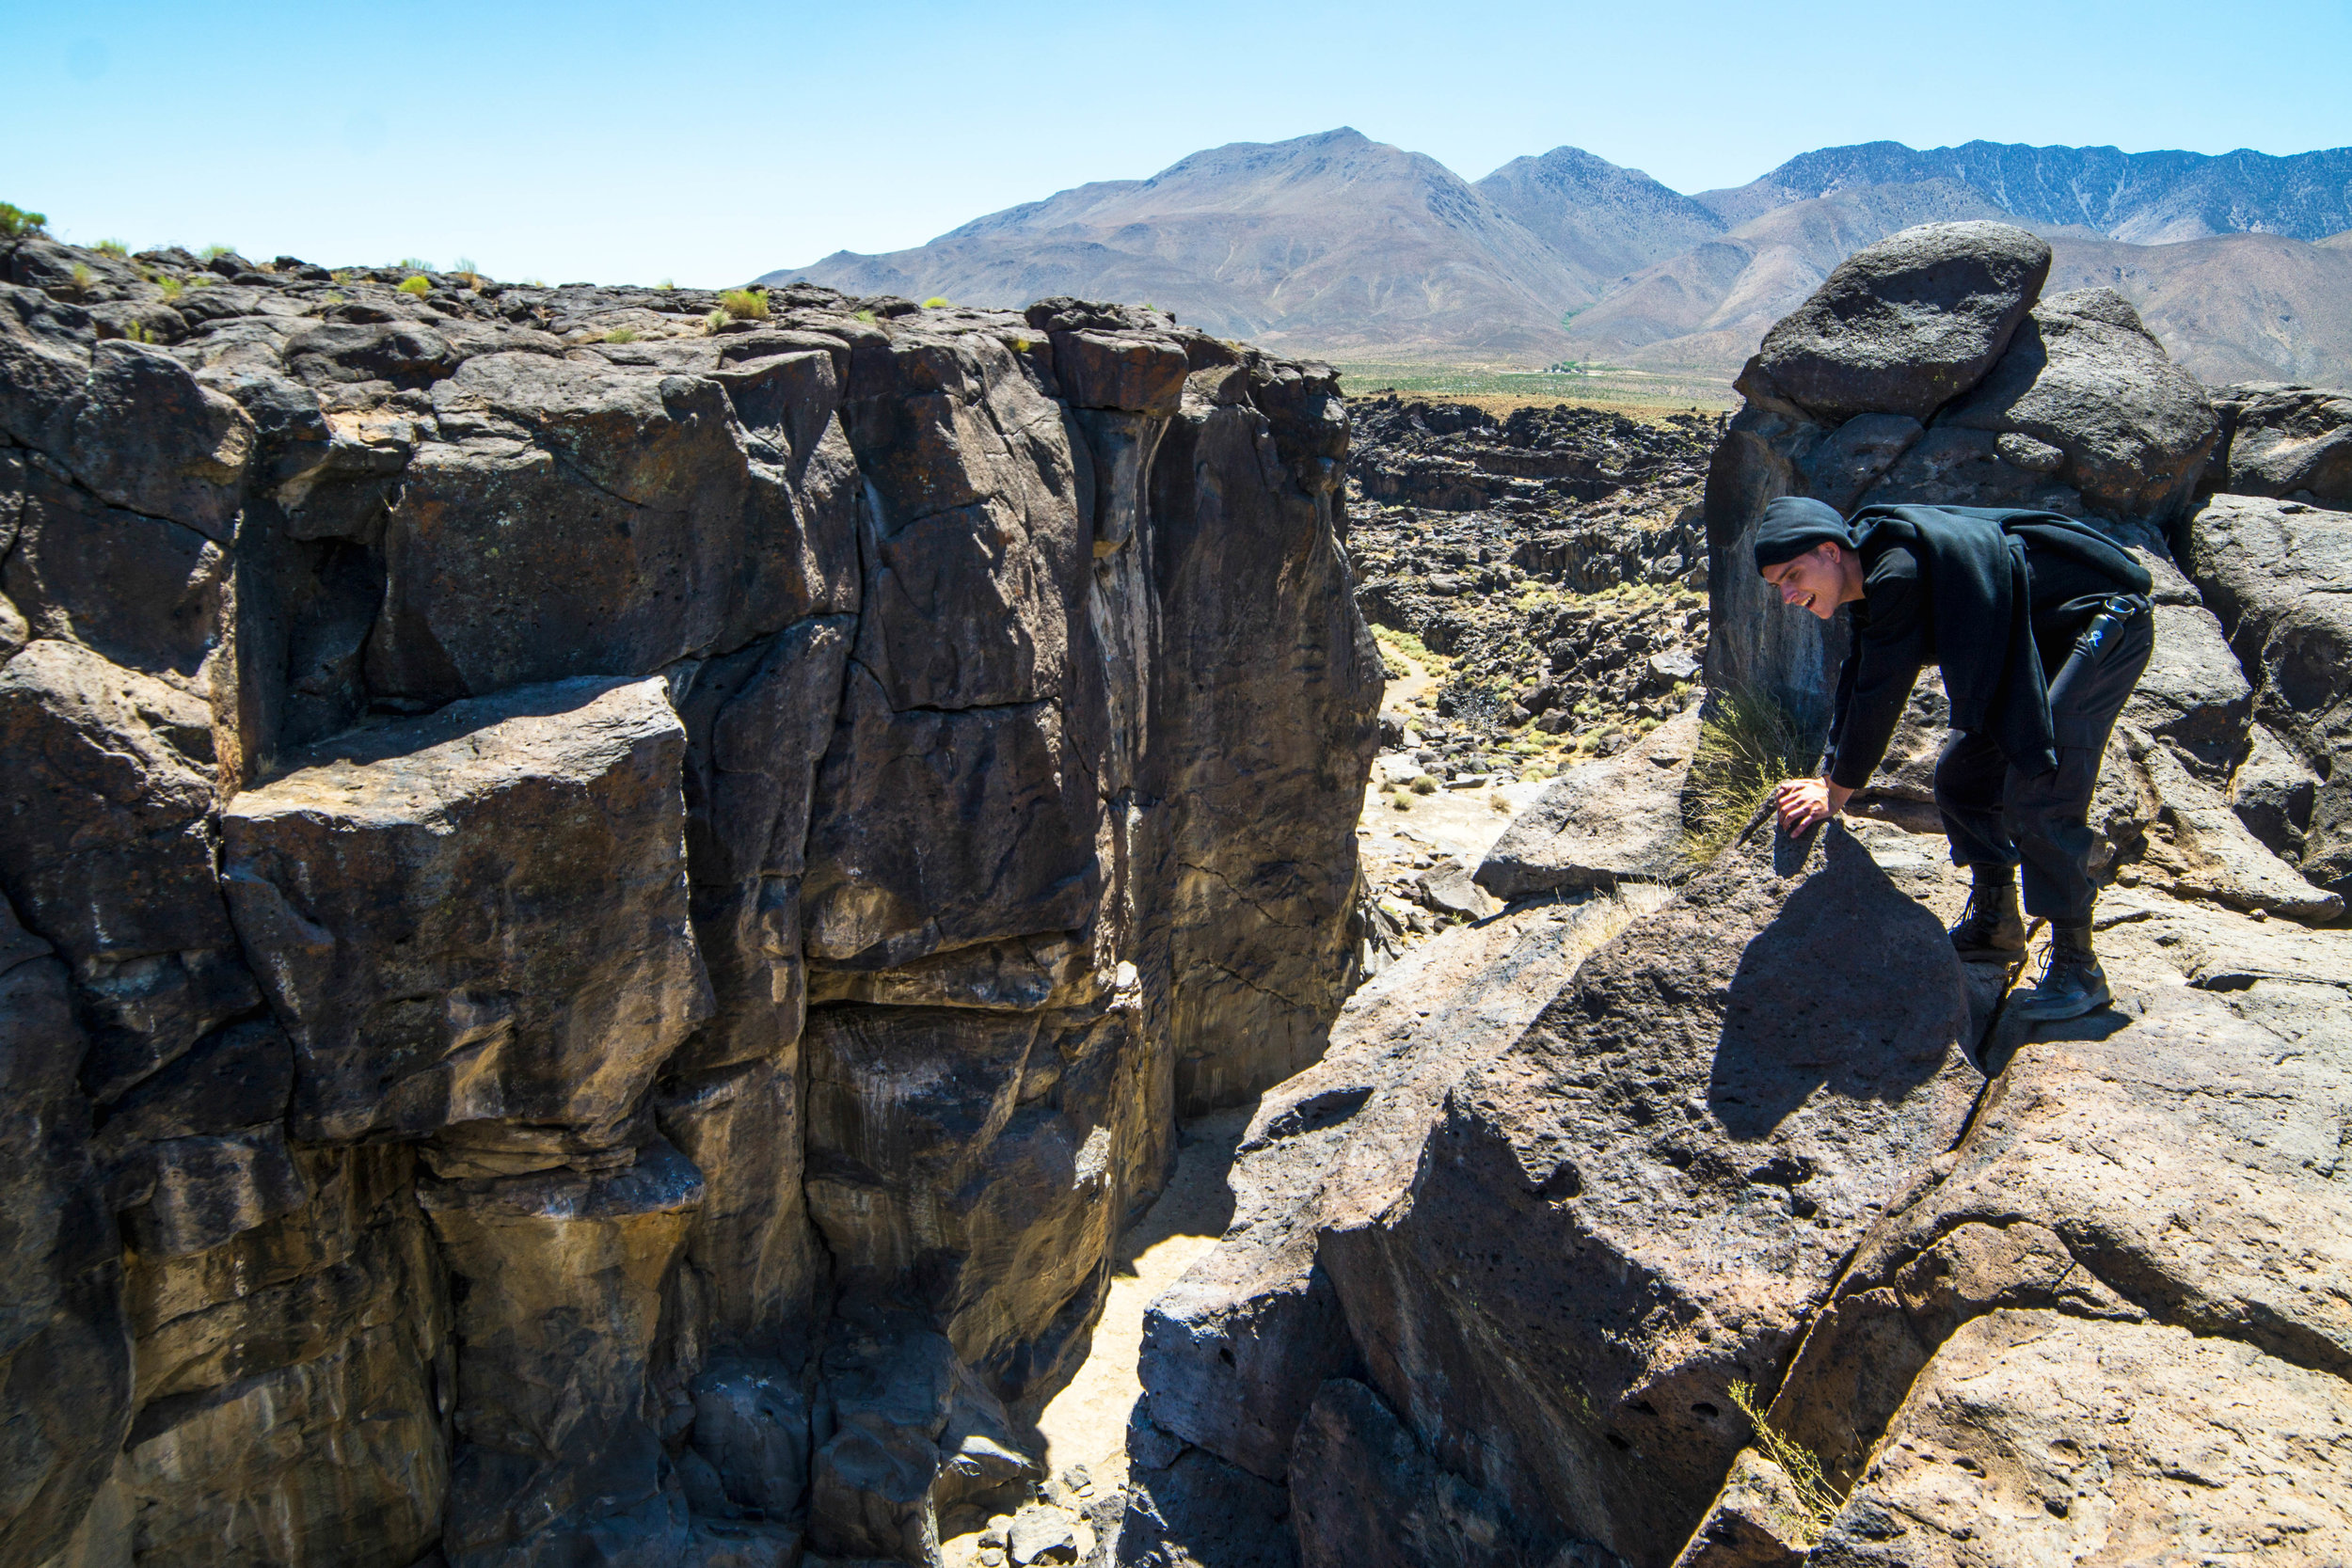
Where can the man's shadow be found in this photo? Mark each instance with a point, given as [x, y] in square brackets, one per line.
[1853, 987]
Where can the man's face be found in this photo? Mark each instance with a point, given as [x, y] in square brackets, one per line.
[1813, 580]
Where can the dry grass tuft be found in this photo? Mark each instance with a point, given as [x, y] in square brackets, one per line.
[1748, 743]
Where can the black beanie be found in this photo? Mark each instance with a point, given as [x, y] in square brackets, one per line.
[1794, 525]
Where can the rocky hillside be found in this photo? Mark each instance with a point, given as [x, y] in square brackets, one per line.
[611, 898]
[1714, 1216]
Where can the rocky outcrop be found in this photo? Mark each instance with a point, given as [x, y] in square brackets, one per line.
[1508, 1270]
[609, 907]
[2293, 442]
[1930, 369]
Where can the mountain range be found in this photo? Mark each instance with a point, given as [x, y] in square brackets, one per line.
[1338, 245]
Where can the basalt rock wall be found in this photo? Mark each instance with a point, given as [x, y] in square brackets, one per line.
[607, 908]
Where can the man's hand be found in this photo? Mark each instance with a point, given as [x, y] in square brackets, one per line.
[1805, 803]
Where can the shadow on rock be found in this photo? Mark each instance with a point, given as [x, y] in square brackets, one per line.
[1808, 1005]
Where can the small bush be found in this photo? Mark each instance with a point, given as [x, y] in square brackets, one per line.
[866, 316]
[412, 264]
[744, 305]
[1817, 1500]
[140, 332]
[115, 248]
[18, 223]
[714, 321]
[215, 252]
[1401, 800]
[83, 278]
[620, 335]
[937, 302]
[1499, 803]
[666, 284]
[1425, 785]
[416, 283]
[171, 287]
[464, 269]
[1747, 745]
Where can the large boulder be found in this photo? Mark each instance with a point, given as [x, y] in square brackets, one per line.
[1675, 1159]
[1903, 326]
[2272, 571]
[2082, 378]
[2131, 1166]
[1237, 1347]
[529, 1020]
[1599, 823]
[2035, 1437]
[2294, 442]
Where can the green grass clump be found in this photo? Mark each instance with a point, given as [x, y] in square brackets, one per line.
[620, 335]
[82, 276]
[464, 269]
[171, 287]
[215, 252]
[866, 316]
[714, 321]
[937, 302]
[1817, 1501]
[115, 248]
[412, 264]
[18, 223]
[666, 284]
[744, 305]
[1425, 785]
[1748, 743]
[416, 283]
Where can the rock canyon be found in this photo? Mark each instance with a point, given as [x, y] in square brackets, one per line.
[614, 902]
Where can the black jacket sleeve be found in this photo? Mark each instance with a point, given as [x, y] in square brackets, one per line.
[1893, 641]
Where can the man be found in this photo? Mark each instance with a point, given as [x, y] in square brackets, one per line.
[2041, 627]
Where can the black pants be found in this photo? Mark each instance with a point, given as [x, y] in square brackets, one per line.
[1997, 816]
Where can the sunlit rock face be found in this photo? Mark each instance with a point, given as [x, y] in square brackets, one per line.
[608, 912]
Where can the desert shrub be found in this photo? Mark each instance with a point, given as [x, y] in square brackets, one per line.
[82, 276]
[171, 287]
[1401, 800]
[1817, 1500]
[140, 332]
[937, 302]
[666, 284]
[1499, 803]
[412, 264]
[467, 272]
[867, 316]
[1748, 743]
[1425, 785]
[620, 335]
[714, 321]
[416, 283]
[215, 252]
[744, 305]
[18, 223]
[115, 248]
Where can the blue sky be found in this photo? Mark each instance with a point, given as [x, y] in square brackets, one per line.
[595, 141]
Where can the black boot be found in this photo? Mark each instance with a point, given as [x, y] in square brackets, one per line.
[1992, 931]
[2072, 981]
